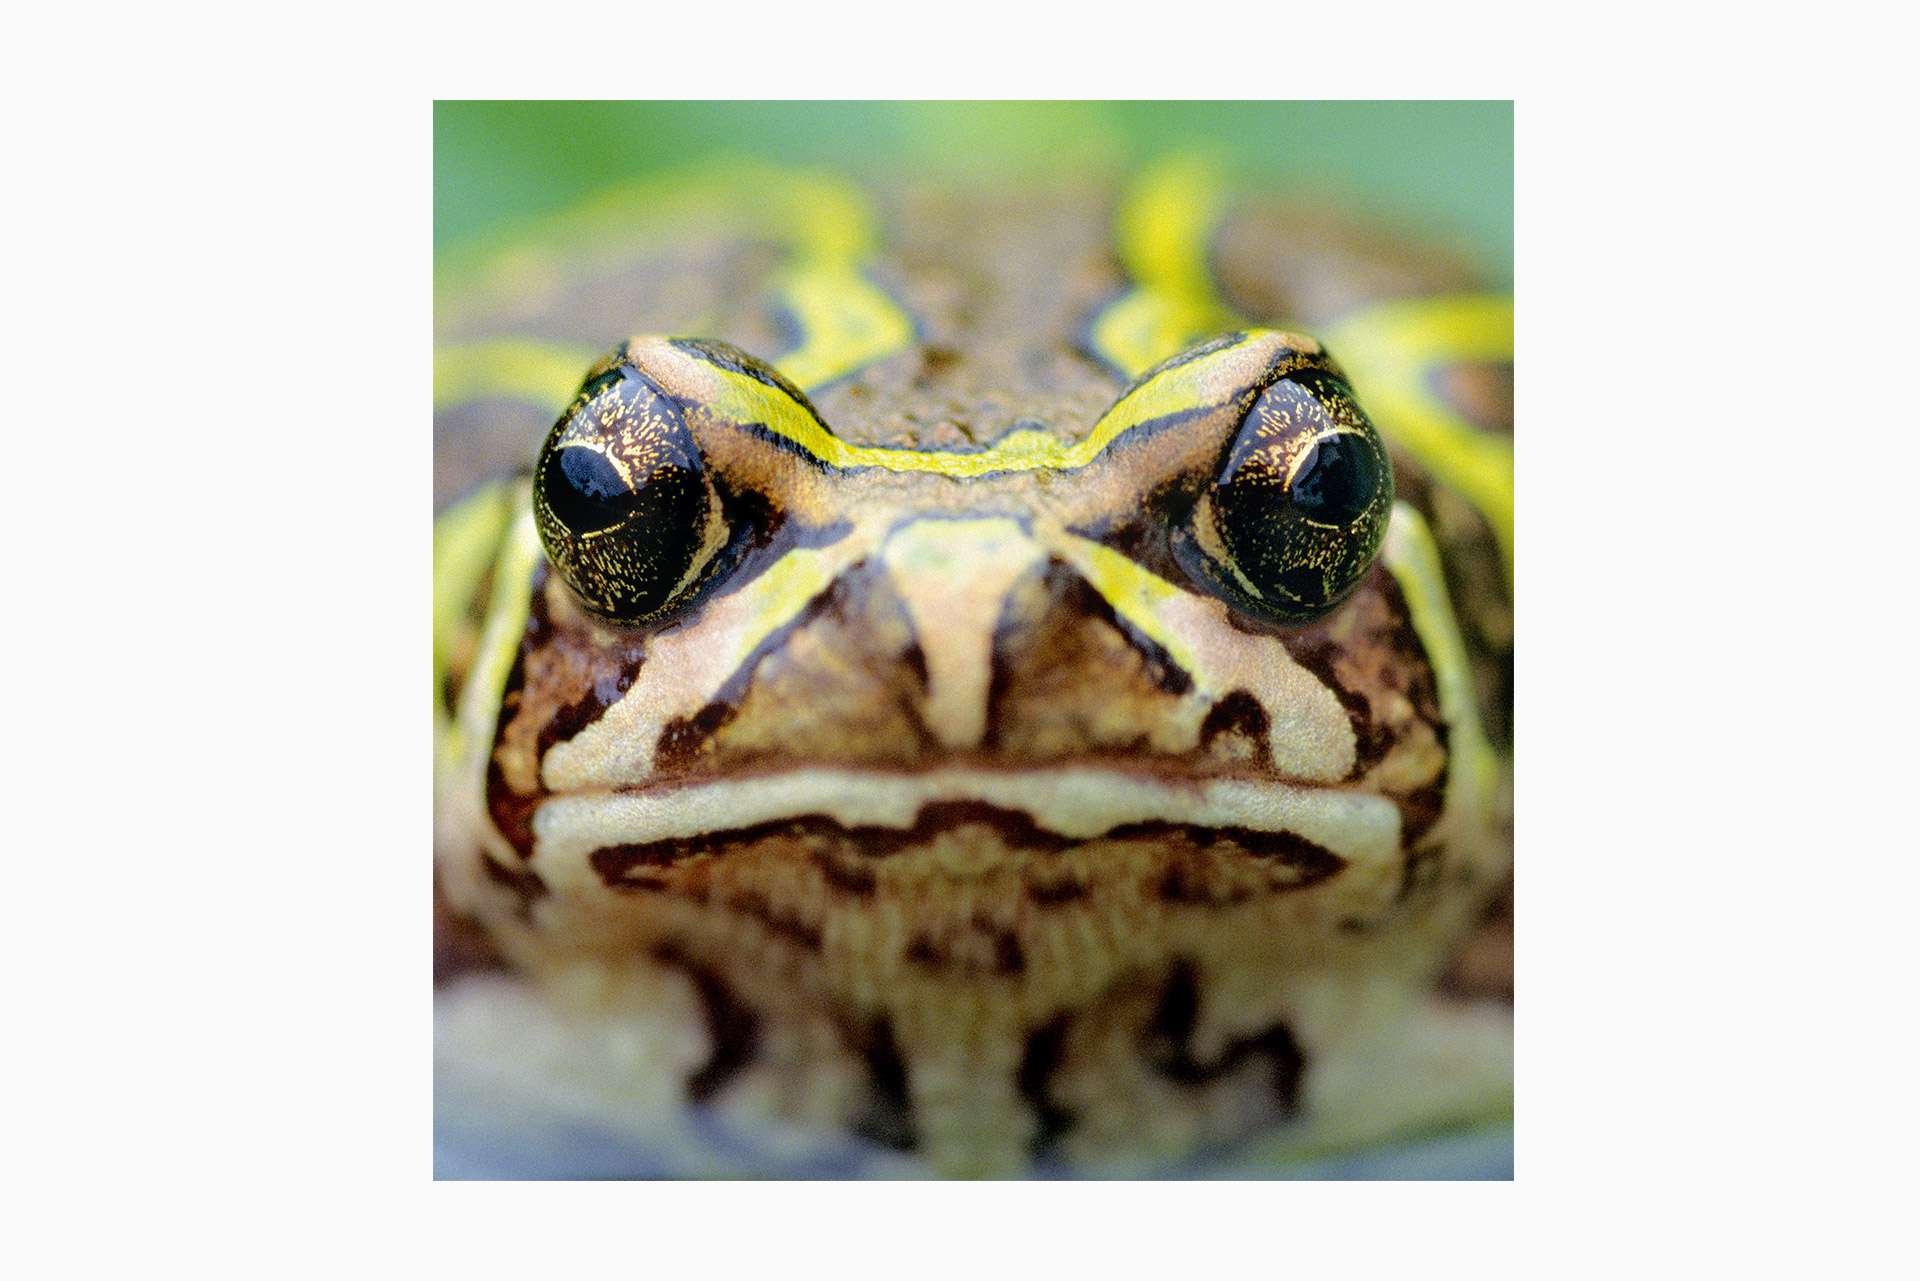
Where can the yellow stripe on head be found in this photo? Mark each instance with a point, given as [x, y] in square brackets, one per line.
[1392, 348]
[826, 228]
[1208, 381]
[1163, 231]
[477, 715]
[1414, 559]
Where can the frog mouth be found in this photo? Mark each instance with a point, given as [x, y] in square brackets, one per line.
[1316, 830]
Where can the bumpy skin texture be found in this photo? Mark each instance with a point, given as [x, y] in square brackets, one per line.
[949, 809]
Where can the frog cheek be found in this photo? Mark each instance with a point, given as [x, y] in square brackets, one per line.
[623, 503]
[1296, 512]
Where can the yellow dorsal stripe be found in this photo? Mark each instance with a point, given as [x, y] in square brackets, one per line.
[1414, 559]
[826, 227]
[1162, 232]
[1185, 388]
[1390, 348]
[506, 620]
[846, 322]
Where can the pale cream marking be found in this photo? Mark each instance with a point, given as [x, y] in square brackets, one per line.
[1411, 554]
[685, 667]
[1078, 803]
[1309, 734]
[479, 710]
[461, 811]
[954, 577]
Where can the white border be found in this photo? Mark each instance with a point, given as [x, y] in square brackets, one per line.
[220, 265]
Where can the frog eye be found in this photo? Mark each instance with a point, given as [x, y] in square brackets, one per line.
[622, 500]
[1297, 509]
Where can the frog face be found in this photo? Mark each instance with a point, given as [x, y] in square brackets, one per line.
[938, 777]
[739, 626]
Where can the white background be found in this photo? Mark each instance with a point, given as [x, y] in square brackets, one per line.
[218, 773]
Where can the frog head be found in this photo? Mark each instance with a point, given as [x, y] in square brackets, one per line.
[974, 790]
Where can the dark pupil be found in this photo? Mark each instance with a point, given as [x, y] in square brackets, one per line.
[585, 492]
[1336, 481]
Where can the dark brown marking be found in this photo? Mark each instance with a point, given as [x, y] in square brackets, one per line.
[525, 883]
[1055, 893]
[916, 660]
[1016, 829]
[1039, 1060]
[732, 1027]
[1009, 957]
[1168, 1043]
[1372, 740]
[1238, 713]
[848, 878]
[551, 648]
[1314, 862]
[614, 862]
[584, 711]
[888, 1118]
[780, 925]
[989, 948]
[512, 813]
[1423, 687]
[1185, 885]
[935, 361]
[1420, 810]
[682, 737]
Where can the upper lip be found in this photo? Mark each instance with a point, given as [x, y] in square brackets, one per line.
[1074, 803]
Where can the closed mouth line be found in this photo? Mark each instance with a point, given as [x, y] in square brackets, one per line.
[1046, 808]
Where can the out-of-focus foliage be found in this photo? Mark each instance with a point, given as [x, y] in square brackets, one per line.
[1445, 168]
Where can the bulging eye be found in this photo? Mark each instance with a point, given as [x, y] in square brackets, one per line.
[624, 505]
[1296, 512]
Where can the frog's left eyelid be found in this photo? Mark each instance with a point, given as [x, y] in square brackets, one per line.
[1199, 381]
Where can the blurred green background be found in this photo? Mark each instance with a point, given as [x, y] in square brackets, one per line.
[1445, 168]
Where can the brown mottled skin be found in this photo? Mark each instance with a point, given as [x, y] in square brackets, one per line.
[975, 987]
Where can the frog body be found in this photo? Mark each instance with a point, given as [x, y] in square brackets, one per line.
[940, 760]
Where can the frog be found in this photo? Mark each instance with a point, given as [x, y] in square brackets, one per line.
[1010, 678]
